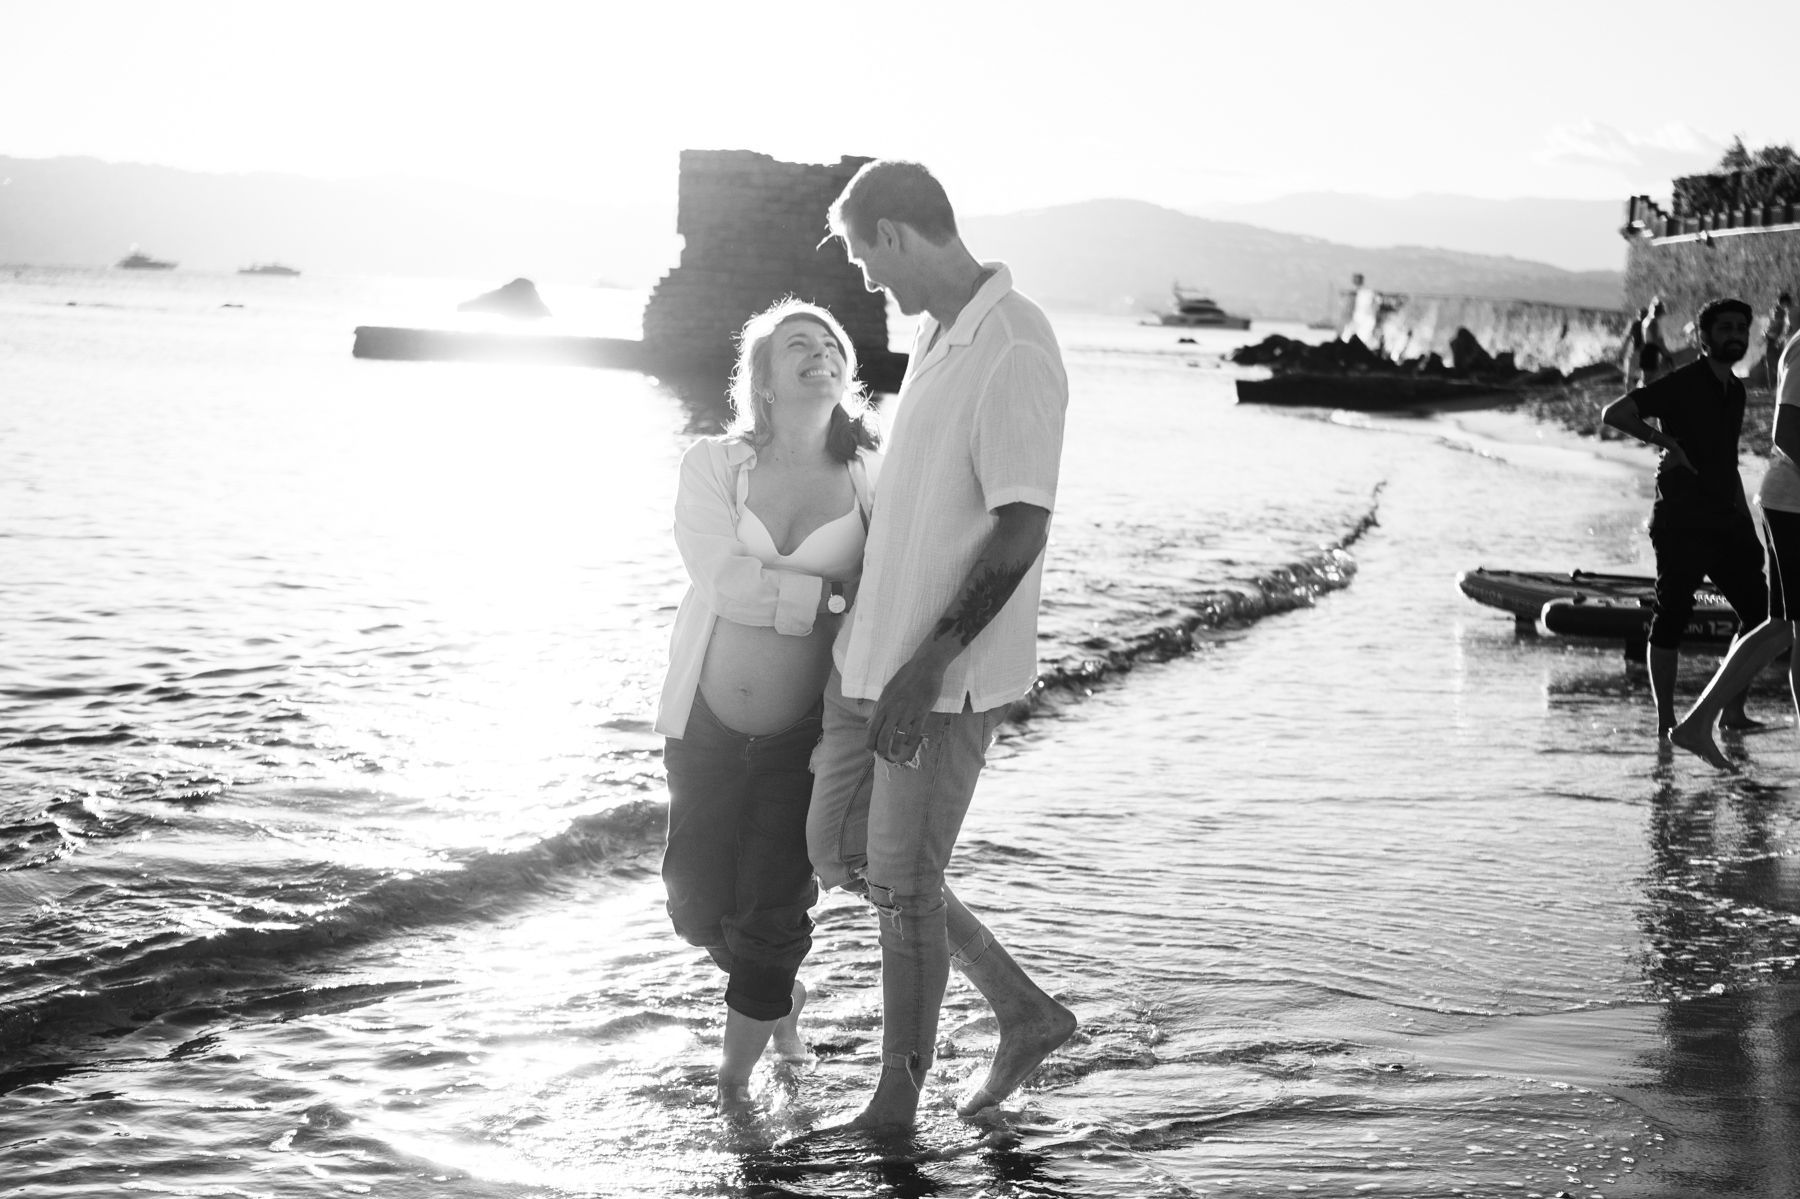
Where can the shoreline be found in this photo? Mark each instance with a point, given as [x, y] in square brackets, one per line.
[1576, 407]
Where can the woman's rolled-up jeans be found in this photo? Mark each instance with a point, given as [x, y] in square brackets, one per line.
[736, 870]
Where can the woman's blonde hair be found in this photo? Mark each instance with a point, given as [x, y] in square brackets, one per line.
[852, 425]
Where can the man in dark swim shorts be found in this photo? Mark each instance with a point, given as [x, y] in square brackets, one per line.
[1700, 526]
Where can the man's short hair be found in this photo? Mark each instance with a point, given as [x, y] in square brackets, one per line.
[1717, 308]
[893, 190]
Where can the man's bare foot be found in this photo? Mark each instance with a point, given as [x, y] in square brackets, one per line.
[1024, 1044]
[1697, 739]
[870, 1122]
[1739, 721]
[789, 1047]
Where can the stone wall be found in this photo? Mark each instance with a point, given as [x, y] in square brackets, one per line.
[1401, 326]
[1686, 271]
[751, 227]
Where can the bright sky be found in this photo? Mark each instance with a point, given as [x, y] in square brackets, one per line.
[1014, 105]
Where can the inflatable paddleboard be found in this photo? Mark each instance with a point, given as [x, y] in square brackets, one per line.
[1586, 603]
[1606, 617]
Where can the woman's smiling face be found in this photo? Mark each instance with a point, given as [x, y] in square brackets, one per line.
[805, 362]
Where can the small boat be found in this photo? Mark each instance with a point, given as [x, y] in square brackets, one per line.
[1584, 603]
[1195, 311]
[267, 268]
[1373, 391]
[138, 261]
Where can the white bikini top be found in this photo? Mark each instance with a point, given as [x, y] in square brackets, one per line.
[834, 550]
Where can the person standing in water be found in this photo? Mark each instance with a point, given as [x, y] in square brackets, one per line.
[770, 520]
[1700, 526]
[943, 639]
[1778, 507]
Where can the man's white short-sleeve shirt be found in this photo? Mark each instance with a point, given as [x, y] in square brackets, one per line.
[979, 425]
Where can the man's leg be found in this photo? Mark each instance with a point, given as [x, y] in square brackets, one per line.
[1738, 570]
[1749, 654]
[914, 818]
[1032, 1024]
[1680, 567]
[1663, 663]
[843, 770]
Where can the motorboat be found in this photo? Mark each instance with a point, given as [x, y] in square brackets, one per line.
[1195, 311]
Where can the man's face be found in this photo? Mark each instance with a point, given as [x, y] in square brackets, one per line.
[1729, 338]
[884, 268]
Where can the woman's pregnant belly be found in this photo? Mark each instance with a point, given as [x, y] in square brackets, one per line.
[758, 681]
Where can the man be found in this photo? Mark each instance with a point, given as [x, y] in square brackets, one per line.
[943, 636]
[1700, 526]
[1775, 336]
[1653, 350]
[1634, 349]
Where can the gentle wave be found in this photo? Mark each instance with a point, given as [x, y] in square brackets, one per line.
[167, 970]
[1186, 626]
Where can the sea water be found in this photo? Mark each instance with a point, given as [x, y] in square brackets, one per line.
[330, 812]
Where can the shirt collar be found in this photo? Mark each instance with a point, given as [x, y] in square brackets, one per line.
[990, 293]
[737, 450]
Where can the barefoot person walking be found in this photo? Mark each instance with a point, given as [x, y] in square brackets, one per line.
[1700, 526]
[1778, 505]
[944, 635]
[770, 520]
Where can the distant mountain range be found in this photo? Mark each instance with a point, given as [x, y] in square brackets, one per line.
[1118, 255]
[1577, 235]
[1125, 254]
[83, 212]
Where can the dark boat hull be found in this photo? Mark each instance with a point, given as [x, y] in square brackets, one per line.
[1362, 393]
[1176, 321]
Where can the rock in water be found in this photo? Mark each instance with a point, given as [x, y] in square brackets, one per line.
[517, 299]
[1467, 355]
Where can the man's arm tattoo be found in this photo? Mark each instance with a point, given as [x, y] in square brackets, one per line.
[981, 601]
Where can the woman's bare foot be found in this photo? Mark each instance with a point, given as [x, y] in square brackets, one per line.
[1024, 1044]
[734, 1097]
[1696, 737]
[789, 1047]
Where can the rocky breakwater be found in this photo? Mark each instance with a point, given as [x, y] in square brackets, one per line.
[753, 230]
[1404, 327]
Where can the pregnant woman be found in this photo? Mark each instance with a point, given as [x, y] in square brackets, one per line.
[770, 520]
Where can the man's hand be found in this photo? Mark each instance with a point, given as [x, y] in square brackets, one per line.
[897, 727]
[1678, 456]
